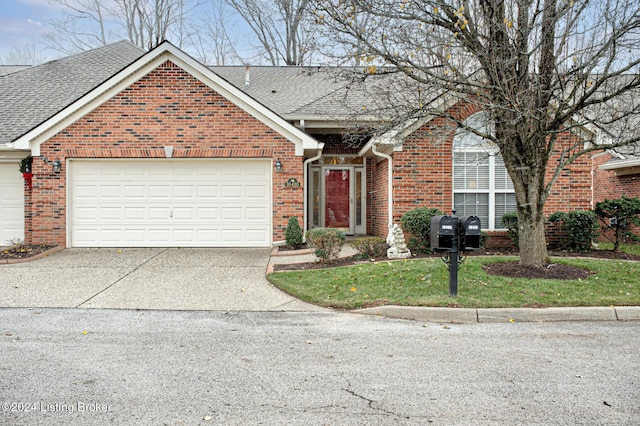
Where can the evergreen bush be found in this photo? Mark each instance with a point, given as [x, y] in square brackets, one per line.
[417, 222]
[293, 234]
[579, 228]
[617, 215]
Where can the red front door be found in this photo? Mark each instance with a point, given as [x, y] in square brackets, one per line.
[337, 205]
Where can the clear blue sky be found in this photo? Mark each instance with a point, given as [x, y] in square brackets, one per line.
[21, 22]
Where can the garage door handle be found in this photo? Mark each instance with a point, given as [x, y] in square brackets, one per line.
[171, 214]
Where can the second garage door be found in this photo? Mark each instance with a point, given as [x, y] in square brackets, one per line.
[11, 204]
[170, 203]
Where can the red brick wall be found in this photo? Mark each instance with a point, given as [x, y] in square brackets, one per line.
[423, 173]
[377, 197]
[166, 107]
[608, 185]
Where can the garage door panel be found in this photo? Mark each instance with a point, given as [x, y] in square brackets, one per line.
[183, 213]
[233, 236]
[135, 192]
[159, 237]
[256, 192]
[231, 213]
[231, 171]
[159, 191]
[183, 192]
[85, 235]
[256, 213]
[87, 192]
[208, 203]
[113, 192]
[206, 213]
[135, 213]
[256, 235]
[112, 213]
[231, 192]
[207, 192]
[159, 213]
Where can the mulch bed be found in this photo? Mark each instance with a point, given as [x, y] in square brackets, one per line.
[511, 269]
[23, 251]
[551, 271]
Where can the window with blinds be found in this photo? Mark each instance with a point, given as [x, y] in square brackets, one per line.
[481, 185]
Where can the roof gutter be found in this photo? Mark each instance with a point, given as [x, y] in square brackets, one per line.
[621, 164]
[374, 149]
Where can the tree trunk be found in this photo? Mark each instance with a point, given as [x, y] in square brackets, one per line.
[532, 239]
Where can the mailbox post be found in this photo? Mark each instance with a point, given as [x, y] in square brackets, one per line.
[452, 235]
[453, 258]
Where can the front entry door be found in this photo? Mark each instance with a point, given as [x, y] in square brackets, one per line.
[338, 197]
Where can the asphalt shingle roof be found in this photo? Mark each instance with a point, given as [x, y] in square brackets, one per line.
[8, 69]
[285, 90]
[35, 94]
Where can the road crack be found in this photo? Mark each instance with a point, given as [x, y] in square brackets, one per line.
[370, 402]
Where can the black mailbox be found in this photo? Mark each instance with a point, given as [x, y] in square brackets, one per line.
[443, 231]
[470, 233]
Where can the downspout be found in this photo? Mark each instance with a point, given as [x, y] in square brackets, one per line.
[389, 190]
[305, 187]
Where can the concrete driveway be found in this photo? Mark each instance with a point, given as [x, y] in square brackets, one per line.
[150, 278]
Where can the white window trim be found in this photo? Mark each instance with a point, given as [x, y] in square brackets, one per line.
[491, 152]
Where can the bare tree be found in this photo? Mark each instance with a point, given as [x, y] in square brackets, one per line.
[283, 28]
[22, 55]
[213, 41]
[82, 26]
[86, 24]
[537, 67]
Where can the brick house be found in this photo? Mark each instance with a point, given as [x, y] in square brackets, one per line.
[135, 149]
[617, 173]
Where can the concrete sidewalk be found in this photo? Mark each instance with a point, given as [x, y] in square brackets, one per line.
[462, 315]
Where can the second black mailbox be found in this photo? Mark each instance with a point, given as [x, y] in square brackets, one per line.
[443, 231]
[470, 233]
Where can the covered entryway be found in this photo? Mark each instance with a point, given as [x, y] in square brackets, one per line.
[337, 194]
[11, 203]
[169, 203]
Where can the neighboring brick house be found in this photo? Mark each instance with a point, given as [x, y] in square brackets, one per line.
[617, 173]
[154, 149]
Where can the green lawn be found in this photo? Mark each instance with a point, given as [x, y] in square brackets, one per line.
[424, 282]
[627, 248]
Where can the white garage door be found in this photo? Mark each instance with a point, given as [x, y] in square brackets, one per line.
[170, 203]
[11, 203]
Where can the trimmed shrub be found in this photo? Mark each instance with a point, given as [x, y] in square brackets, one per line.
[293, 234]
[327, 241]
[579, 228]
[510, 221]
[417, 222]
[370, 247]
[617, 215]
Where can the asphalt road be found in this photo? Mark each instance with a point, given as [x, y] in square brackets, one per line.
[75, 366]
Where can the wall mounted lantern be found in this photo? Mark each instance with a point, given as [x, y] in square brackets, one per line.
[57, 166]
[278, 166]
